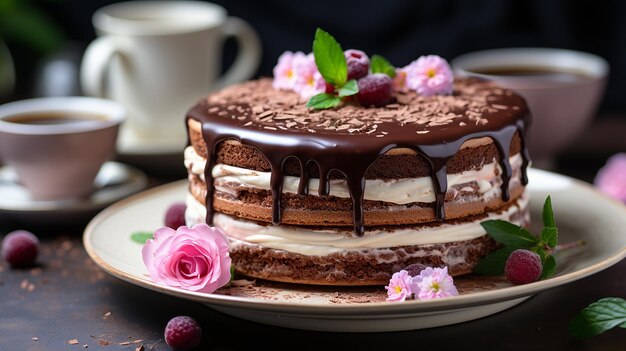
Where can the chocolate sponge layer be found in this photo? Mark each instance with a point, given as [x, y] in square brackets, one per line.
[256, 204]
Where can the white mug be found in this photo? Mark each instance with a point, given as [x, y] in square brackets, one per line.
[561, 107]
[159, 57]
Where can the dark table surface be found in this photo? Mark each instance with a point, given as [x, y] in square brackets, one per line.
[67, 297]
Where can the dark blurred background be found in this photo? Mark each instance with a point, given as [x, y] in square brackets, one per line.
[401, 30]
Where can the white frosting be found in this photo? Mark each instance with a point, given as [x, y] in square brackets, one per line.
[311, 242]
[398, 191]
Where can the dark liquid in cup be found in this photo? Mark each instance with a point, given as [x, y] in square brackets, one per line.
[56, 118]
[539, 72]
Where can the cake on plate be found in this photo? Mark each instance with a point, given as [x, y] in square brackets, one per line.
[351, 194]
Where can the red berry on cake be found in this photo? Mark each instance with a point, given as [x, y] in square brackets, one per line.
[375, 89]
[20, 248]
[523, 267]
[415, 269]
[358, 63]
[175, 215]
[183, 333]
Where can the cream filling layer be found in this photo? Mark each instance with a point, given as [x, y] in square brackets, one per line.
[398, 191]
[311, 242]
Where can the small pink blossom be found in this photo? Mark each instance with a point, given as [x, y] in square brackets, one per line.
[309, 80]
[284, 73]
[611, 179]
[399, 81]
[193, 259]
[429, 75]
[399, 288]
[433, 283]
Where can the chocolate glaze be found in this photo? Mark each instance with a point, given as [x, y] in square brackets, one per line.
[234, 115]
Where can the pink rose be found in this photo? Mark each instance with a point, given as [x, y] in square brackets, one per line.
[193, 259]
[611, 179]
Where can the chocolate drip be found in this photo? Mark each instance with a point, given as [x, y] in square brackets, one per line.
[303, 185]
[350, 155]
[276, 184]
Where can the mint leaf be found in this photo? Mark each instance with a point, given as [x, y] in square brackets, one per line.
[509, 234]
[550, 236]
[598, 317]
[350, 88]
[322, 101]
[549, 267]
[141, 237]
[329, 58]
[547, 214]
[380, 64]
[493, 264]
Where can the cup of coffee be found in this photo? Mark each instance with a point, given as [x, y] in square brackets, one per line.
[158, 58]
[562, 87]
[57, 145]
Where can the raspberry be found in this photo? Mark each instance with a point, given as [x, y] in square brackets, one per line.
[175, 215]
[415, 269]
[374, 89]
[20, 248]
[183, 333]
[523, 267]
[329, 89]
[358, 63]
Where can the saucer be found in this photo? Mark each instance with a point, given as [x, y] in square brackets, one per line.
[162, 157]
[114, 182]
[131, 144]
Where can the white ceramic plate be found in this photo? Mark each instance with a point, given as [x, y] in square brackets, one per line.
[581, 213]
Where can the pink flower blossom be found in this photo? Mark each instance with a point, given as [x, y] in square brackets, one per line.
[309, 80]
[399, 288]
[429, 75]
[284, 73]
[399, 81]
[611, 179]
[193, 259]
[433, 283]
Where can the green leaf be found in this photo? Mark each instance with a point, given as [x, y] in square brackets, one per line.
[232, 274]
[350, 88]
[550, 236]
[329, 58]
[509, 234]
[549, 267]
[598, 317]
[380, 64]
[322, 101]
[547, 214]
[141, 237]
[493, 264]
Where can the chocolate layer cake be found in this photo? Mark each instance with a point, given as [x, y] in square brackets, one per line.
[347, 196]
